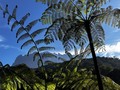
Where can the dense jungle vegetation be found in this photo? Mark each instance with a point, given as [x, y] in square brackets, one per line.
[61, 78]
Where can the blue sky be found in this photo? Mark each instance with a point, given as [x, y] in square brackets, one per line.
[9, 49]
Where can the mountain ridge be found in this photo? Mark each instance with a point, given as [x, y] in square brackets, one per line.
[111, 62]
[28, 60]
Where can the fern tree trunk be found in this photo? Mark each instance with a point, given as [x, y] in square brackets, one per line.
[88, 30]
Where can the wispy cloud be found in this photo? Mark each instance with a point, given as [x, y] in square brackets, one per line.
[5, 46]
[8, 47]
[2, 38]
[116, 30]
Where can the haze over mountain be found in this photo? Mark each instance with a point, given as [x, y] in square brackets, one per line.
[28, 60]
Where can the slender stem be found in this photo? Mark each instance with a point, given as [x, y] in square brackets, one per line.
[88, 30]
[36, 47]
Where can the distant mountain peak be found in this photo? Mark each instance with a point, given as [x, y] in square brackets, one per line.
[28, 60]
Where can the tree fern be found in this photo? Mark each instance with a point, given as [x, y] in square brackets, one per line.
[78, 19]
[25, 32]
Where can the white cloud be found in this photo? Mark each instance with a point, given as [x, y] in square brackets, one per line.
[61, 52]
[1, 38]
[115, 48]
[112, 50]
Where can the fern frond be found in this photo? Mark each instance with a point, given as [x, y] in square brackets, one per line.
[48, 40]
[69, 54]
[47, 55]
[37, 32]
[36, 56]
[99, 33]
[46, 48]
[14, 12]
[24, 18]
[22, 37]
[31, 24]
[75, 50]
[86, 51]
[48, 2]
[49, 37]
[68, 45]
[9, 19]
[31, 50]
[28, 42]
[19, 31]
[108, 15]
[40, 41]
[14, 25]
